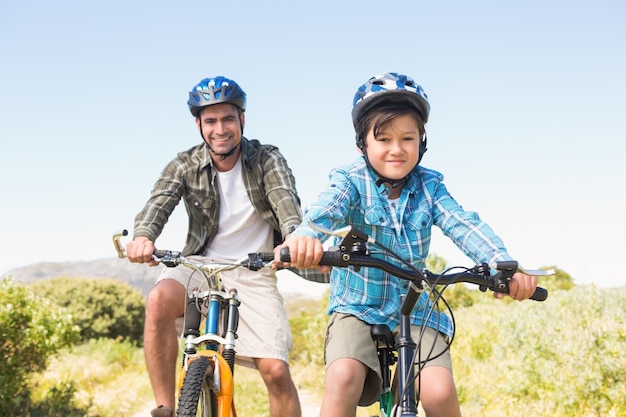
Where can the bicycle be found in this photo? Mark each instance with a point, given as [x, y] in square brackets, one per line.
[354, 251]
[206, 386]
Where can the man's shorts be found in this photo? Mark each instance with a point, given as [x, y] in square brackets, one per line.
[349, 337]
[263, 330]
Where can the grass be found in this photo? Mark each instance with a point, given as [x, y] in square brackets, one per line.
[563, 357]
[108, 378]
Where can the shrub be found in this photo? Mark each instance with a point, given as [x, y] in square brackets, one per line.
[31, 330]
[102, 308]
[562, 357]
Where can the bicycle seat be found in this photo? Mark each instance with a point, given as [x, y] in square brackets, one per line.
[382, 333]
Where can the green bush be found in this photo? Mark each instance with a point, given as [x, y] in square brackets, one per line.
[31, 330]
[562, 357]
[561, 280]
[102, 308]
[99, 378]
[59, 401]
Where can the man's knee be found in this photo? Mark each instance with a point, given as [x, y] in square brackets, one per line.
[166, 299]
[275, 372]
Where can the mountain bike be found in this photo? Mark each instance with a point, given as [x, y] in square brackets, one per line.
[354, 251]
[206, 386]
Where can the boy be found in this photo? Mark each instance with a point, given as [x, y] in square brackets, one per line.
[389, 196]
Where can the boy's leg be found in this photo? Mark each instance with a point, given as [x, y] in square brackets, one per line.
[437, 389]
[438, 392]
[343, 387]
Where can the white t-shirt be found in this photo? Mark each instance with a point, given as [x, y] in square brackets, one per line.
[241, 229]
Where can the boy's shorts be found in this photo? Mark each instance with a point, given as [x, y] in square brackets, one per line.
[263, 330]
[349, 337]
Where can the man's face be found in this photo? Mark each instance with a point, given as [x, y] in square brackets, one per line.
[221, 126]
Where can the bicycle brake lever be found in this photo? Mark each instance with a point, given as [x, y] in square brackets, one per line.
[537, 272]
[513, 267]
[254, 262]
[346, 231]
[117, 242]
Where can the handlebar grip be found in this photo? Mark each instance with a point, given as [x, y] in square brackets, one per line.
[540, 294]
[267, 256]
[332, 258]
[285, 256]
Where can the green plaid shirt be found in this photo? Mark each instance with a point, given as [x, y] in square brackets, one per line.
[190, 176]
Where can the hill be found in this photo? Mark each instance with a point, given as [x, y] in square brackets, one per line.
[141, 276]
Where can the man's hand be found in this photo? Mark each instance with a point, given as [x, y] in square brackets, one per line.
[140, 250]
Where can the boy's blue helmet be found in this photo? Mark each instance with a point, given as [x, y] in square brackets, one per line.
[392, 85]
[213, 91]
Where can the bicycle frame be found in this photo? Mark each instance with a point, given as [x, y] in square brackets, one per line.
[353, 251]
[405, 348]
[206, 383]
[217, 369]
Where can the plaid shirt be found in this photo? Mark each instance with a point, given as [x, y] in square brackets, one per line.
[352, 198]
[190, 176]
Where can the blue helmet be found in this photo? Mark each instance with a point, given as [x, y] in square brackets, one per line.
[390, 85]
[213, 91]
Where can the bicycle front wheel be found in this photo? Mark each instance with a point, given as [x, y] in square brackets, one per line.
[197, 399]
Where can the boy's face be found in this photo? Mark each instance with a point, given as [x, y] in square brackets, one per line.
[395, 151]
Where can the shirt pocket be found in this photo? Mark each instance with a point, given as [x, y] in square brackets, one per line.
[200, 201]
[376, 216]
[417, 227]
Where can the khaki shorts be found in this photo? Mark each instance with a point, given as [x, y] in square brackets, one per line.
[263, 330]
[349, 337]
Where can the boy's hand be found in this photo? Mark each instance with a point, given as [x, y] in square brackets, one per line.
[521, 286]
[306, 252]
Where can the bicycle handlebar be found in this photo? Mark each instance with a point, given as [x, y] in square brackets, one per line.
[254, 261]
[479, 275]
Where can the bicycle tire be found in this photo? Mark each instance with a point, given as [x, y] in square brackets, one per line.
[197, 399]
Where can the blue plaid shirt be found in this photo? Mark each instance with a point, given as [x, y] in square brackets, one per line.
[352, 198]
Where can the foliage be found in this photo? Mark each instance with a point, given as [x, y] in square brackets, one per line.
[59, 402]
[307, 354]
[435, 263]
[102, 308]
[31, 330]
[561, 280]
[562, 357]
[108, 379]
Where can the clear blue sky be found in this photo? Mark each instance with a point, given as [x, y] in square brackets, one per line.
[528, 112]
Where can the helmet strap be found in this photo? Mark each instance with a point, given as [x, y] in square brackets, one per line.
[223, 156]
[381, 179]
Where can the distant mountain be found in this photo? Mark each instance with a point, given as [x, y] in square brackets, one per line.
[139, 276]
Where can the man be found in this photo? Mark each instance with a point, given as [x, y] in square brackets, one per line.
[240, 196]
